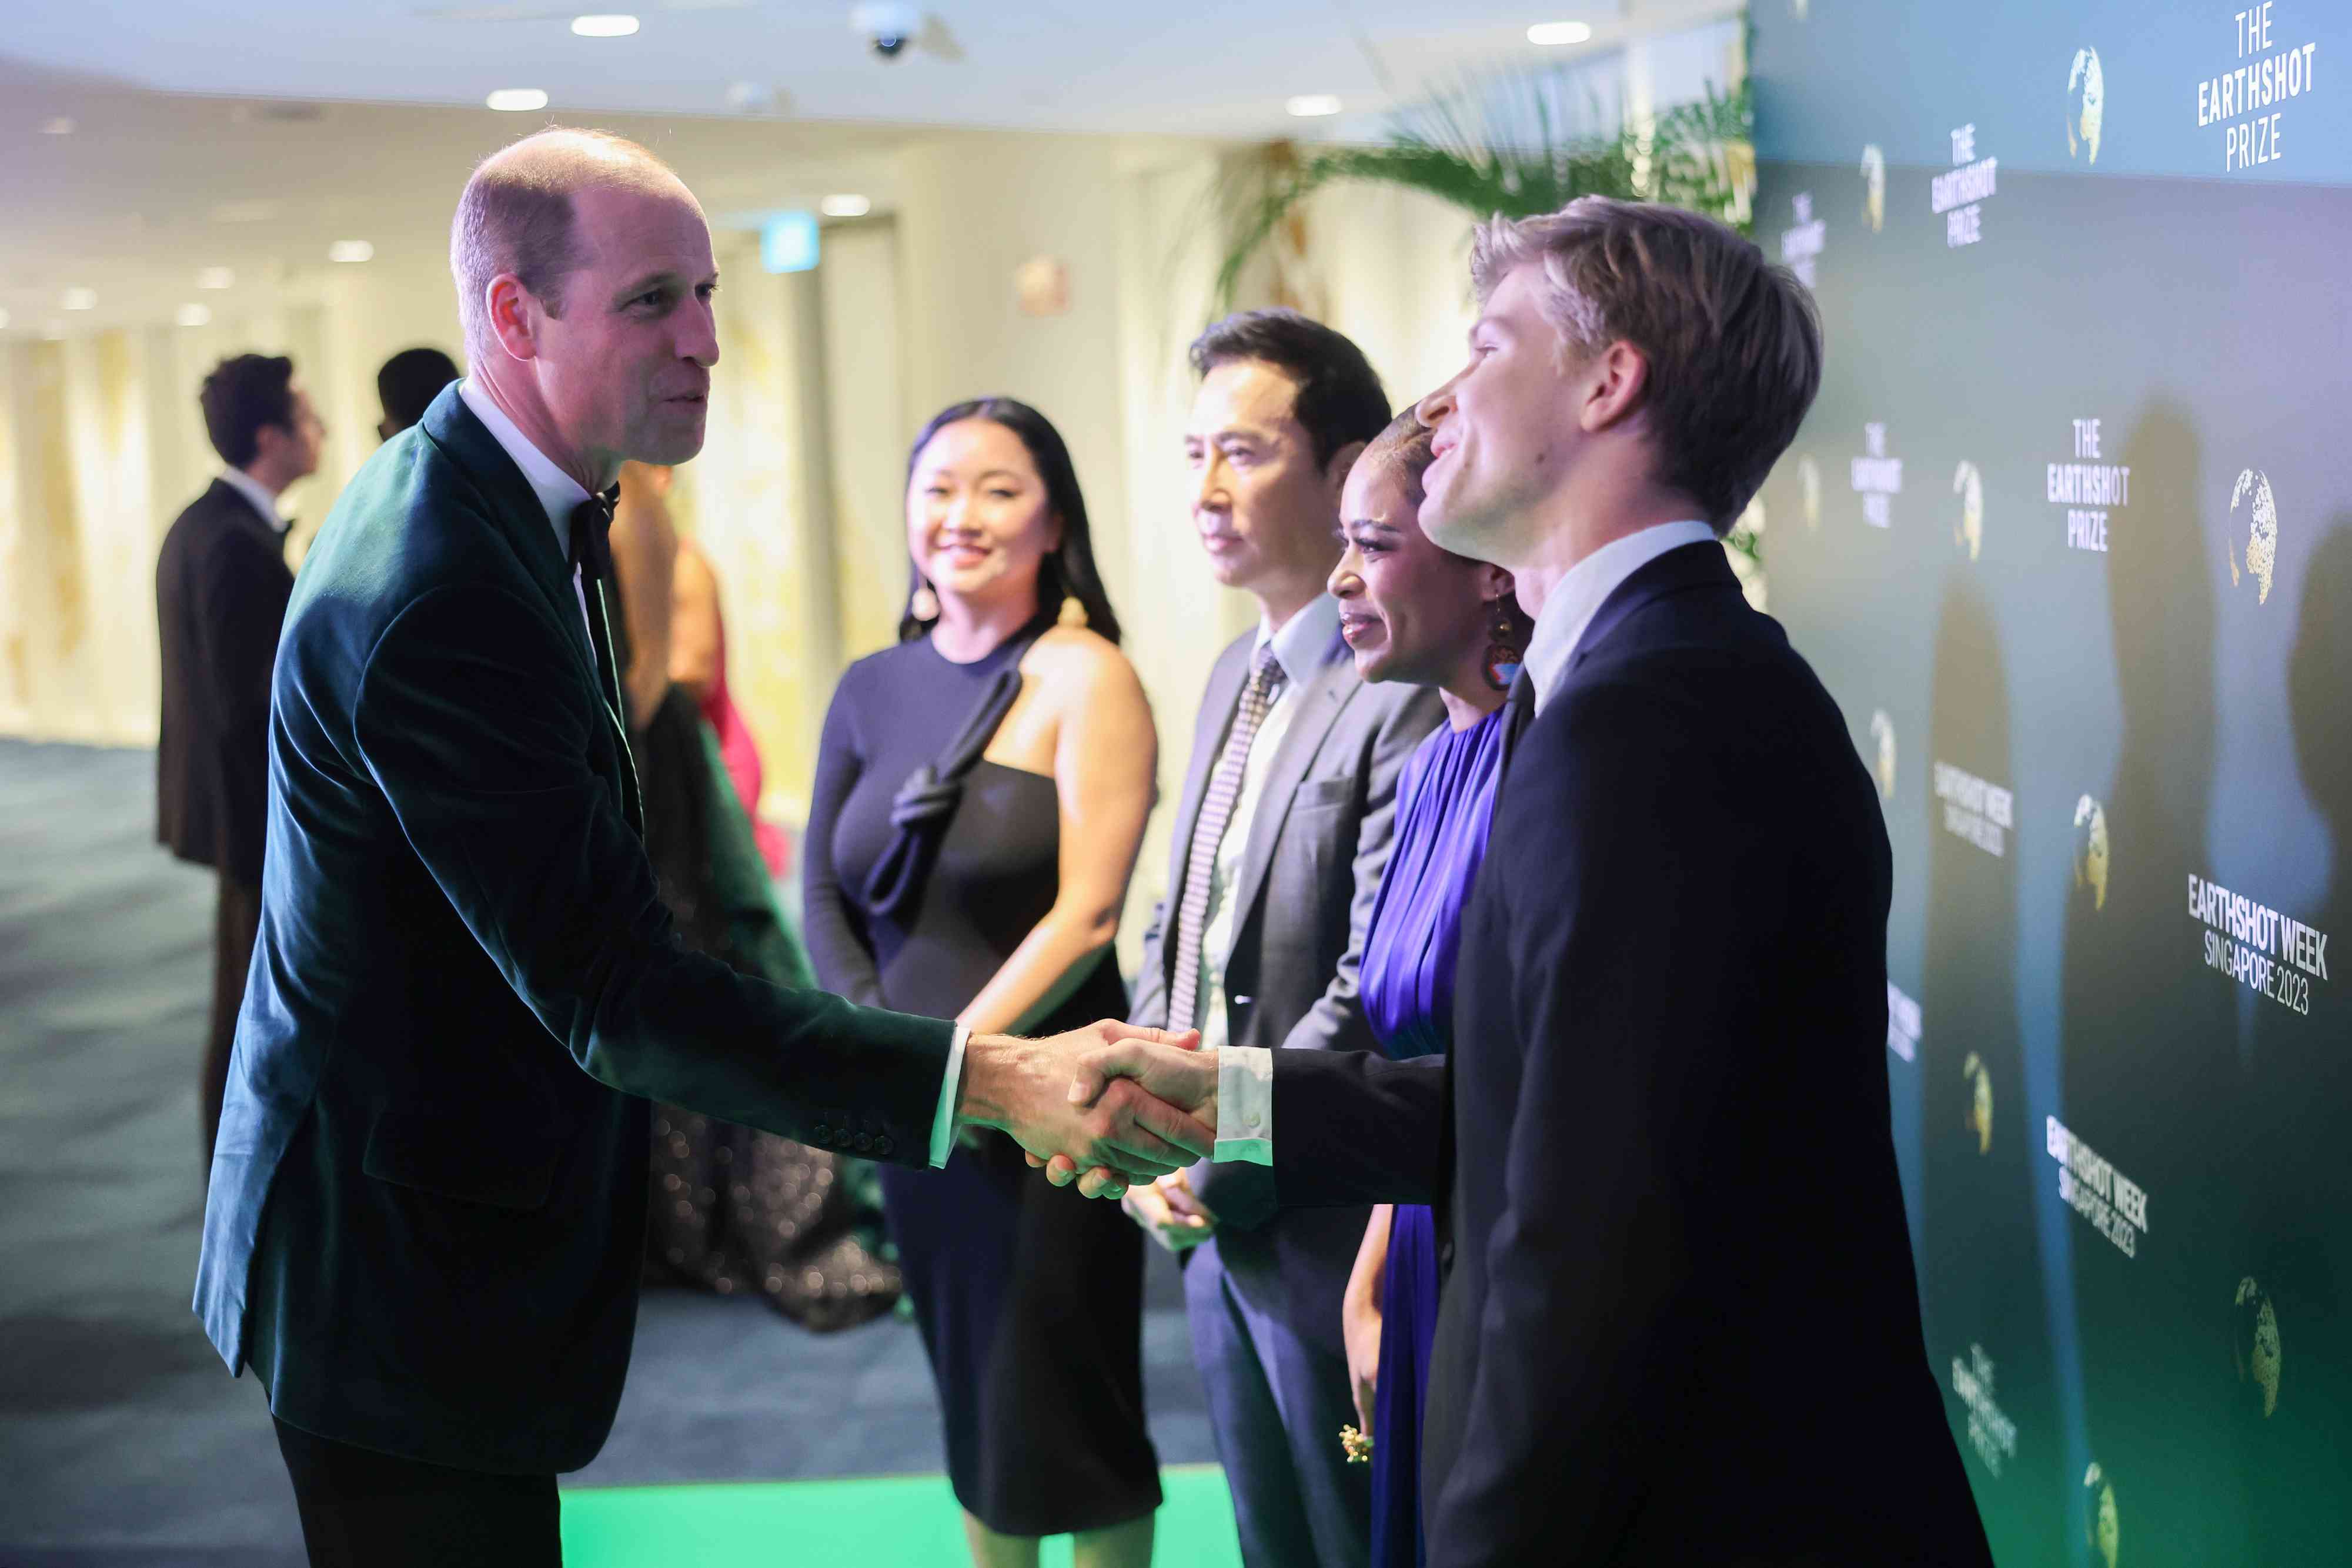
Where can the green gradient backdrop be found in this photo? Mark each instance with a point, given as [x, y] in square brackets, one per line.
[2197, 1388]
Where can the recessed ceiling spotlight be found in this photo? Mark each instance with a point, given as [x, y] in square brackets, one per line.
[59, 125]
[845, 206]
[216, 278]
[80, 299]
[1313, 105]
[604, 26]
[1551, 33]
[517, 99]
[350, 250]
[194, 316]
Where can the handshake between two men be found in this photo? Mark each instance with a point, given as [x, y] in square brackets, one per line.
[1107, 1106]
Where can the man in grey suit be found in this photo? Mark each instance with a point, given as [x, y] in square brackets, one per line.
[1278, 847]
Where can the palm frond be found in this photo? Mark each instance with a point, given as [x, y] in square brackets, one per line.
[1502, 147]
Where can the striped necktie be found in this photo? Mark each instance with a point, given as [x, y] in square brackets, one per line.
[1208, 834]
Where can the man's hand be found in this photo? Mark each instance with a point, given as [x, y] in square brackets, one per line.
[1169, 1212]
[1168, 1067]
[1120, 1133]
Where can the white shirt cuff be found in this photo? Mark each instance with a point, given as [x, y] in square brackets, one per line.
[1244, 1105]
[943, 1119]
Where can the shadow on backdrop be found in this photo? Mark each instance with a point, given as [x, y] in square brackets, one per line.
[1981, 1268]
[2147, 1039]
[2290, 1309]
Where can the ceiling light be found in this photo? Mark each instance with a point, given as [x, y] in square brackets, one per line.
[350, 250]
[216, 278]
[607, 26]
[62, 125]
[194, 316]
[1313, 105]
[845, 206]
[80, 299]
[517, 99]
[1550, 33]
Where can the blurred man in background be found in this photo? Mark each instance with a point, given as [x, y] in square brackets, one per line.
[408, 385]
[221, 587]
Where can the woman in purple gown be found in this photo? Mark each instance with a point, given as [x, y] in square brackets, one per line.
[1416, 613]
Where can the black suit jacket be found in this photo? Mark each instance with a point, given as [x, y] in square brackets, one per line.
[221, 587]
[427, 1202]
[1309, 875]
[1680, 1323]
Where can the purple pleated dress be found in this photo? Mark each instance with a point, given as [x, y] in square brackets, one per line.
[1446, 803]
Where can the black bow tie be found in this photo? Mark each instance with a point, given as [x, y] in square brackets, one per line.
[591, 544]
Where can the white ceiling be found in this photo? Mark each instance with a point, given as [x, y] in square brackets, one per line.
[252, 133]
[1218, 68]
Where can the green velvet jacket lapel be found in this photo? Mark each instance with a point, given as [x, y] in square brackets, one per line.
[514, 511]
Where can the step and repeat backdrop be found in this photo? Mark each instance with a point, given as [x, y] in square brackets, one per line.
[2069, 536]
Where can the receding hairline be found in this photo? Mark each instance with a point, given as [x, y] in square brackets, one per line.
[519, 208]
[567, 159]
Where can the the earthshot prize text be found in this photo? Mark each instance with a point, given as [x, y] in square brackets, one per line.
[1990, 1433]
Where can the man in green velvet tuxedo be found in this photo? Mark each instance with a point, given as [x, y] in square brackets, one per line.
[428, 1195]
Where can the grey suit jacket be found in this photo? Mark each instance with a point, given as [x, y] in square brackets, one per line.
[1309, 875]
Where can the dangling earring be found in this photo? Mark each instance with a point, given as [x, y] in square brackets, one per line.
[925, 604]
[1505, 645]
[1072, 613]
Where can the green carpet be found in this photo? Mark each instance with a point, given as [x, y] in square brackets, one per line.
[889, 1522]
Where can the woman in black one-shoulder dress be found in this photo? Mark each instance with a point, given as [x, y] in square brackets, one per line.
[981, 793]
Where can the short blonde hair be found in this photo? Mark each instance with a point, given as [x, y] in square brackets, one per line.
[1733, 342]
[515, 216]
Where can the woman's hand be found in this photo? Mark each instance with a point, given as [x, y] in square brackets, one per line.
[1360, 1315]
[1154, 1206]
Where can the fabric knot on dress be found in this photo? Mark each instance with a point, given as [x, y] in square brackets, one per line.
[927, 800]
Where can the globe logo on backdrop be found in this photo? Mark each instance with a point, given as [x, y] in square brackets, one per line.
[1978, 1118]
[2087, 105]
[2104, 1524]
[2253, 491]
[1969, 486]
[1881, 736]
[1809, 492]
[2255, 1346]
[2091, 850]
[1874, 182]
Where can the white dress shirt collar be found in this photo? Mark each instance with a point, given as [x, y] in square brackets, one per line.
[1305, 638]
[557, 491]
[252, 489]
[1587, 587]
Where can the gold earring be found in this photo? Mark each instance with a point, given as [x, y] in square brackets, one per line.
[1074, 613]
[925, 604]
